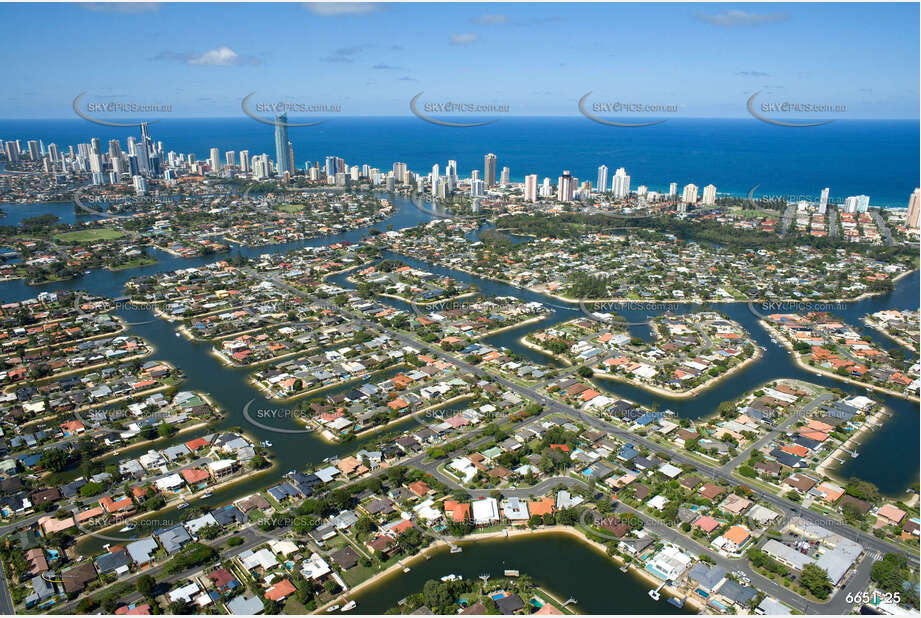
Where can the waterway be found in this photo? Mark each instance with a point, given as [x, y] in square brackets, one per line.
[231, 391]
[562, 565]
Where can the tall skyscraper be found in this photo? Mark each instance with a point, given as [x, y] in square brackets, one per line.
[489, 170]
[689, 194]
[823, 201]
[215, 160]
[230, 158]
[914, 209]
[863, 203]
[115, 149]
[672, 190]
[621, 183]
[564, 189]
[709, 195]
[530, 188]
[505, 178]
[477, 188]
[34, 152]
[282, 158]
[602, 185]
[244, 161]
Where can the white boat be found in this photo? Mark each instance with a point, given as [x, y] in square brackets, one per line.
[266, 443]
[331, 608]
[406, 569]
[207, 494]
[128, 528]
[184, 505]
[178, 335]
[654, 595]
[450, 578]
[456, 549]
[348, 606]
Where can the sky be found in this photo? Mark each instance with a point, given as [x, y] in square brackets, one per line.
[537, 59]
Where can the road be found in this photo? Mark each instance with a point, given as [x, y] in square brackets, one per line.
[787, 219]
[780, 429]
[883, 228]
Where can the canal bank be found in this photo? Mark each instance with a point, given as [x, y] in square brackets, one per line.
[565, 566]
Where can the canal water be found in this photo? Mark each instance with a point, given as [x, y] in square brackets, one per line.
[231, 391]
[564, 566]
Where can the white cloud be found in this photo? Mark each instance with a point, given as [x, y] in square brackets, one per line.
[491, 19]
[464, 38]
[220, 57]
[332, 9]
[741, 18]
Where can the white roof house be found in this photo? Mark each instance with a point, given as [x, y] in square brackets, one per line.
[515, 509]
[262, 558]
[185, 593]
[170, 483]
[485, 511]
[285, 547]
[315, 568]
[670, 470]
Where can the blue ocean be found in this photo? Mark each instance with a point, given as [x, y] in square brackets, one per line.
[879, 158]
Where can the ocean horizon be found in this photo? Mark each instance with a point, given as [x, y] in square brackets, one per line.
[875, 157]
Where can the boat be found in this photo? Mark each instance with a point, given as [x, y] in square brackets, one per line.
[183, 506]
[676, 601]
[207, 494]
[178, 335]
[127, 528]
[348, 606]
[406, 569]
[511, 573]
[331, 608]
[450, 578]
[456, 549]
[266, 443]
[624, 569]
[654, 595]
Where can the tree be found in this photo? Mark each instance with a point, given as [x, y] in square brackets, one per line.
[146, 585]
[815, 579]
[91, 489]
[165, 430]
[54, 459]
[585, 372]
[890, 572]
